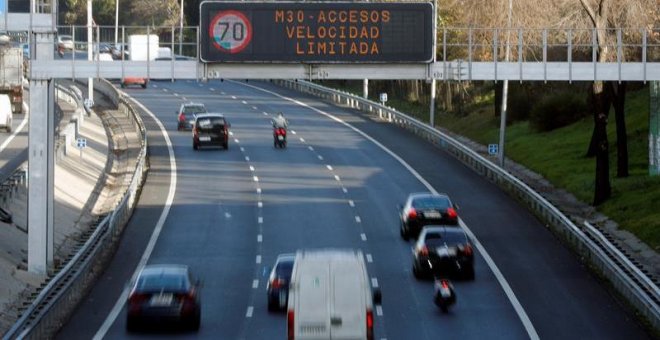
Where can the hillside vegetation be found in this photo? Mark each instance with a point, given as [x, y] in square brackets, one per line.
[559, 154]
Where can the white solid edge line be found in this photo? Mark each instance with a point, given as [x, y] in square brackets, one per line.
[119, 305]
[527, 323]
[15, 133]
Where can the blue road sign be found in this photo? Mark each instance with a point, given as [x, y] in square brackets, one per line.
[493, 149]
[81, 143]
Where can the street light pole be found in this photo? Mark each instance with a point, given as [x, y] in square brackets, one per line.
[90, 85]
[181, 29]
[116, 20]
[505, 91]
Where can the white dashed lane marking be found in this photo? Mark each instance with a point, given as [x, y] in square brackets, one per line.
[320, 157]
[344, 190]
[176, 94]
[351, 203]
[258, 258]
[242, 149]
[310, 148]
[222, 92]
[251, 168]
[255, 178]
[260, 238]
[260, 204]
[379, 310]
[244, 102]
[369, 258]
[254, 108]
[231, 133]
[247, 158]
[337, 178]
[293, 132]
[374, 282]
[249, 312]
[255, 284]
[258, 190]
[261, 220]
[212, 89]
[329, 167]
[363, 236]
[236, 140]
[358, 219]
[302, 139]
[233, 97]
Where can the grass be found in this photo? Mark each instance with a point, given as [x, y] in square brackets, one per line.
[558, 155]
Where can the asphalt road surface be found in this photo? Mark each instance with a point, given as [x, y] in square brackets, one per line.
[337, 184]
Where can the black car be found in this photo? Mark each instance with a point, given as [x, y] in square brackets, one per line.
[210, 129]
[442, 251]
[164, 294]
[278, 282]
[423, 209]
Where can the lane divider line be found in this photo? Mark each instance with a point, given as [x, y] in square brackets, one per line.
[255, 284]
[522, 315]
[119, 305]
[249, 312]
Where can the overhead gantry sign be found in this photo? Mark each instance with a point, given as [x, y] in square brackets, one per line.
[316, 32]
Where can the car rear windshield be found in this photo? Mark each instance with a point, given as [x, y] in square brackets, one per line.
[193, 109]
[439, 239]
[211, 124]
[284, 268]
[164, 282]
[430, 203]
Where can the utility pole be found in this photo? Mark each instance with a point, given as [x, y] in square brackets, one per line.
[505, 91]
[90, 52]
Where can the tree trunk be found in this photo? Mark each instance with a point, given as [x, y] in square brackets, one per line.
[602, 190]
[621, 133]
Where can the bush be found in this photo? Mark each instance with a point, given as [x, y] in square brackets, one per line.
[518, 104]
[558, 109]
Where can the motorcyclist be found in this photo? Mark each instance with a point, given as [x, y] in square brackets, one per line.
[280, 122]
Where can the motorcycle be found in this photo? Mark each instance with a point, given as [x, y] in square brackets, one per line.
[444, 295]
[279, 137]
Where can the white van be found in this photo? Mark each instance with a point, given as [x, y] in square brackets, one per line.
[330, 296]
[6, 115]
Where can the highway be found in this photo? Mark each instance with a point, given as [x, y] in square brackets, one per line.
[13, 145]
[337, 184]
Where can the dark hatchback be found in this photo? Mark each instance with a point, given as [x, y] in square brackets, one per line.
[277, 288]
[423, 209]
[164, 294]
[210, 129]
[442, 251]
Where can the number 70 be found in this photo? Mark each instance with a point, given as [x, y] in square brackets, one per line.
[237, 30]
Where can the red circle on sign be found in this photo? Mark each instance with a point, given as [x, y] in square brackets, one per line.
[232, 20]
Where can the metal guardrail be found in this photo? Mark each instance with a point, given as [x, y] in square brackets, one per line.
[59, 297]
[634, 285]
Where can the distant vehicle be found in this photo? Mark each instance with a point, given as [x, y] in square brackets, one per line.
[119, 50]
[12, 76]
[6, 115]
[166, 294]
[102, 48]
[143, 47]
[127, 81]
[65, 42]
[442, 251]
[187, 113]
[104, 56]
[330, 296]
[425, 208]
[210, 129]
[277, 288]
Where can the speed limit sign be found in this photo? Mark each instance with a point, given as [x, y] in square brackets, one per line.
[231, 31]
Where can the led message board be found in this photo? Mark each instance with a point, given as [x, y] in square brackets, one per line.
[333, 32]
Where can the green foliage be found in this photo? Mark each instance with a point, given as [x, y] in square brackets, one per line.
[558, 110]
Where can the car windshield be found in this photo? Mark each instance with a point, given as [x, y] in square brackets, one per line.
[430, 202]
[436, 239]
[165, 282]
[193, 109]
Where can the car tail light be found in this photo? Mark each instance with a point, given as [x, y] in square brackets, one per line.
[444, 284]
[277, 283]
[290, 324]
[194, 131]
[424, 251]
[135, 301]
[467, 250]
[412, 214]
[182, 117]
[451, 213]
[370, 324]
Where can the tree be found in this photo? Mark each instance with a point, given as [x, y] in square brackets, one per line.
[159, 13]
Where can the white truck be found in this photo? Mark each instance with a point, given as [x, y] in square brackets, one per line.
[143, 47]
[11, 76]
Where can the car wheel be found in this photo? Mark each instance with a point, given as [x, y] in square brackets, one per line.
[272, 306]
[404, 233]
[416, 273]
[226, 146]
[195, 146]
[144, 86]
[131, 325]
[469, 273]
[195, 323]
